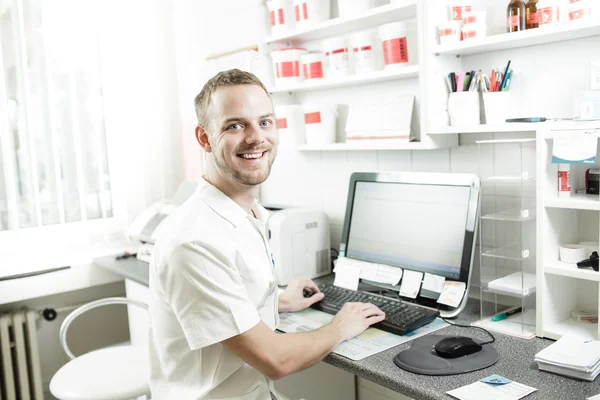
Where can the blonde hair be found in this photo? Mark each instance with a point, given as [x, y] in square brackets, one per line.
[224, 78]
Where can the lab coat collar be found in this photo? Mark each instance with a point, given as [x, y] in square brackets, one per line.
[223, 205]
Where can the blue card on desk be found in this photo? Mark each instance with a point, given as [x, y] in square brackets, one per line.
[496, 380]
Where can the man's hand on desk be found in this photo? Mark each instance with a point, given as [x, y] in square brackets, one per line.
[292, 299]
[354, 318]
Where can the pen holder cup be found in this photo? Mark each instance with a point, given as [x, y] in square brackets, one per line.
[463, 108]
[496, 106]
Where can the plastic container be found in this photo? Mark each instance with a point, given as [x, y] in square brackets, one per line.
[286, 64]
[320, 122]
[362, 50]
[350, 8]
[450, 32]
[280, 12]
[471, 31]
[564, 180]
[458, 7]
[337, 57]
[581, 10]
[290, 124]
[313, 65]
[474, 17]
[399, 43]
[463, 108]
[548, 13]
[311, 12]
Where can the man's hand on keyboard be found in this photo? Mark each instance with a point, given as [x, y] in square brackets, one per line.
[354, 318]
[295, 297]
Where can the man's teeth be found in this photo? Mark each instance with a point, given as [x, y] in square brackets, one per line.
[254, 155]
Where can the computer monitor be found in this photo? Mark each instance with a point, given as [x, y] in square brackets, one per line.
[423, 222]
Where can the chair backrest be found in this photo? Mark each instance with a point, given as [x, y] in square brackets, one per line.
[87, 307]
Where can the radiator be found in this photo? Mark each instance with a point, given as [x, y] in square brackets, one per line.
[20, 371]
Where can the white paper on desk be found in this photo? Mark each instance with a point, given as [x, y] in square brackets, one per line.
[452, 293]
[411, 284]
[488, 391]
[596, 397]
[381, 273]
[432, 286]
[347, 273]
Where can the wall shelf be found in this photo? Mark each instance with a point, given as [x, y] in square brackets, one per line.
[575, 202]
[321, 84]
[526, 38]
[397, 11]
[368, 145]
[571, 271]
[583, 329]
[511, 215]
[484, 128]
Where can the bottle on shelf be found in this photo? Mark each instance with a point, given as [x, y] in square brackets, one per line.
[515, 16]
[531, 15]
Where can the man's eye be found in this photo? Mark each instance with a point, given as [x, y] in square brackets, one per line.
[265, 122]
[234, 127]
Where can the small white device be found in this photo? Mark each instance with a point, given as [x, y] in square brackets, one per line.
[299, 240]
[145, 226]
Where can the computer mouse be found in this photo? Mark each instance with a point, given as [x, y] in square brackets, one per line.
[456, 346]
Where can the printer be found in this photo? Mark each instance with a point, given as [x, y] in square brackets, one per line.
[299, 240]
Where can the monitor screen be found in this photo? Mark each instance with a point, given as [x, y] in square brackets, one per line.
[416, 221]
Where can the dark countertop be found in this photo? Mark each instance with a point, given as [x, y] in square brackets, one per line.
[515, 362]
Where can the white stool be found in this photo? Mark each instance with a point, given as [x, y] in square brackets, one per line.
[112, 373]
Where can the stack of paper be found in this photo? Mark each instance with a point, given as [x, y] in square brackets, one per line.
[572, 356]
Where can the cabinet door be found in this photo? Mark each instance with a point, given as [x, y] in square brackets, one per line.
[319, 382]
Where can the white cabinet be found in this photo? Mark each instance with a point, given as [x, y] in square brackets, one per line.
[562, 287]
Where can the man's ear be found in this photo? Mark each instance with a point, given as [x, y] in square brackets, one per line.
[203, 139]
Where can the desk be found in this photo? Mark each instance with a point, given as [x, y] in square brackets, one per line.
[516, 357]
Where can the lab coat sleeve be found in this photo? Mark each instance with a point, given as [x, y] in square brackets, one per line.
[207, 295]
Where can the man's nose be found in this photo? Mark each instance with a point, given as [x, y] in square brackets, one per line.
[254, 135]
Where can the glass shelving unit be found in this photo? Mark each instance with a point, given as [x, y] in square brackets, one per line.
[507, 236]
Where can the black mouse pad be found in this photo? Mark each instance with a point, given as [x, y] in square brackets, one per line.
[422, 359]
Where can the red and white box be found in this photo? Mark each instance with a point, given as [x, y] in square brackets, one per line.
[474, 17]
[580, 10]
[311, 12]
[280, 15]
[320, 122]
[399, 43]
[471, 31]
[286, 65]
[458, 8]
[290, 124]
[450, 32]
[338, 57]
[313, 66]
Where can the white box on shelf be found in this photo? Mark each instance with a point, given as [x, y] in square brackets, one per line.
[384, 119]
[521, 283]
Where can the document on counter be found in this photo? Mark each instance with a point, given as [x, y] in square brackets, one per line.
[452, 293]
[411, 284]
[490, 391]
[371, 341]
[380, 273]
[433, 285]
[347, 274]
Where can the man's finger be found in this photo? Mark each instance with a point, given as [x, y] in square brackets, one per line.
[314, 298]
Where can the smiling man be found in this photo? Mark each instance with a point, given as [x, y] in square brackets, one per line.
[214, 304]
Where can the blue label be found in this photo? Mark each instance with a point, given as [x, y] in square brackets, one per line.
[496, 380]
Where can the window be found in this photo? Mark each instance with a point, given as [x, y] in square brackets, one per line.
[53, 153]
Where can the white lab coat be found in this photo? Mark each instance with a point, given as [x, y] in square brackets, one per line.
[211, 278]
